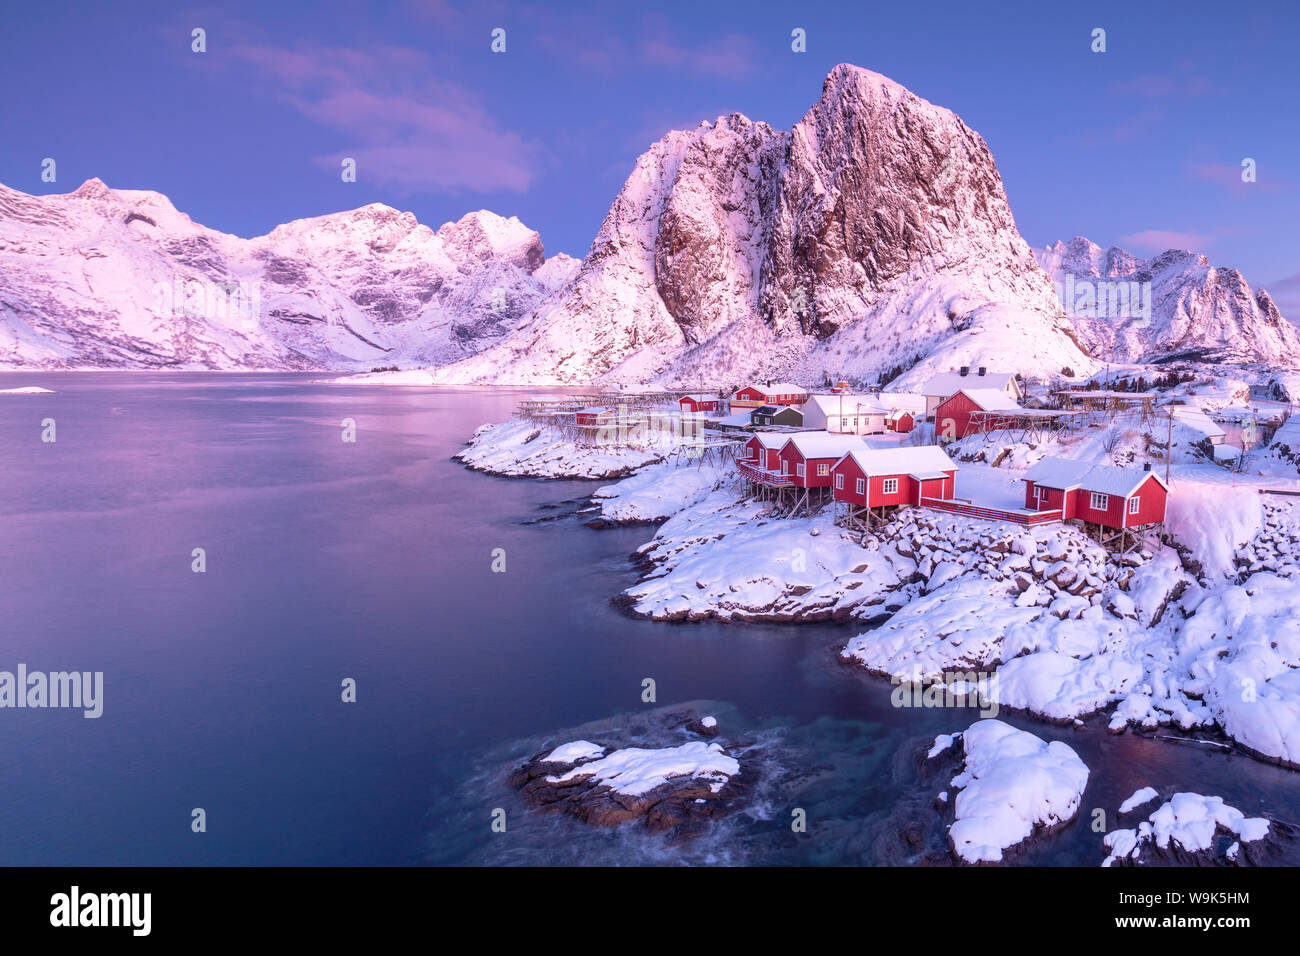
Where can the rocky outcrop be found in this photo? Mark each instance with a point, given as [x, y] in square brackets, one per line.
[675, 789]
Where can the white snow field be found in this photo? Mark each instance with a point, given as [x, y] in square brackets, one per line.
[1012, 784]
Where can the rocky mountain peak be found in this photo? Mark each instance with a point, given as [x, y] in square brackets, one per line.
[93, 188]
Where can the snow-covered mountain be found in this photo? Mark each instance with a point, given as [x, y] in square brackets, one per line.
[101, 277]
[875, 236]
[1175, 306]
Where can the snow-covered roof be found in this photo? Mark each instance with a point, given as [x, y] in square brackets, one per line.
[1289, 433]
[1195, 418]
[902, 401]
[740, 418]
[698, 397]
[823, 444]
[772, 439]
[776, 410]
[851, 404]
[782, 388]
[950, 383]
[916, 460]
[1067, 473]
[990, 399]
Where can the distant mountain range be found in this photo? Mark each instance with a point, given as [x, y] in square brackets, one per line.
[119, 278]
[874, 238]
[1173, 307]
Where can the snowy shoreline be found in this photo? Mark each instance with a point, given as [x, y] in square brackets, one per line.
[1200, 635]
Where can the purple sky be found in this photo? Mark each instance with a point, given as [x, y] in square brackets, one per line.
[1139, 146]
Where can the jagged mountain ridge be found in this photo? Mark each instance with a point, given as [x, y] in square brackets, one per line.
[874, 236]
[1175, 306]
[120, 278]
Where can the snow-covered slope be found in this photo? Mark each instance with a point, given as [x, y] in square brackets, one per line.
[1175, 306]
[103, 277]
[873, 236]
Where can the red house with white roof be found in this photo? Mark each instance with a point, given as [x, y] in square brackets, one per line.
[884, 477]
[809, 456]
[774, 393]
[1107, 495]
[953, 416]
[900, 420]
[762, 451]
[698, 402]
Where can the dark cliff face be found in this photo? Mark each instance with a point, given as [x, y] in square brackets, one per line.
[878, 183]
[714, 227]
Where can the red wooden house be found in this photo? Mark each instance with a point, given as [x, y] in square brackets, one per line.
[1106, 495]
[953, 416]
[900, 420]
[593, 416]
[774, 393]
[808, 457]
[885, 477]
[698, 402]
[763, 451]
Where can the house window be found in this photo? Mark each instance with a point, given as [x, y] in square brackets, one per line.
[861, 486]
[1099, 502]
[785, 467]
[839, 482]
[1134, 503]
[799, 469]
[823, 469]
[891, 486]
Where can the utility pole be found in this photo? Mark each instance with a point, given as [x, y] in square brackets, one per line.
[1169, 447]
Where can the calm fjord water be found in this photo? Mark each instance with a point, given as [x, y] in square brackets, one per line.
[328, 560]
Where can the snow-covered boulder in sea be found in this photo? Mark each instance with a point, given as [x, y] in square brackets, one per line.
[1012, 787]
[671, 788]
[1185, 829]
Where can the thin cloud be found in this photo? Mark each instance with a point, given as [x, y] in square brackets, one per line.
[405, 127]
[1230, 178]
[1162, 85]
[1158, 240]
[1286, 293]
[733, 55]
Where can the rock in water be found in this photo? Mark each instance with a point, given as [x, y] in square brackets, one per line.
[673, 788]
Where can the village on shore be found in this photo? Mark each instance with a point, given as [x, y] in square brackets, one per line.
[1121, 548]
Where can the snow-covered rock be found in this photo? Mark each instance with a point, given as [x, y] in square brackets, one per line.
[1012, 785]
[1139, 798]
[671, 788]
[1184, 827]
[524, 448]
